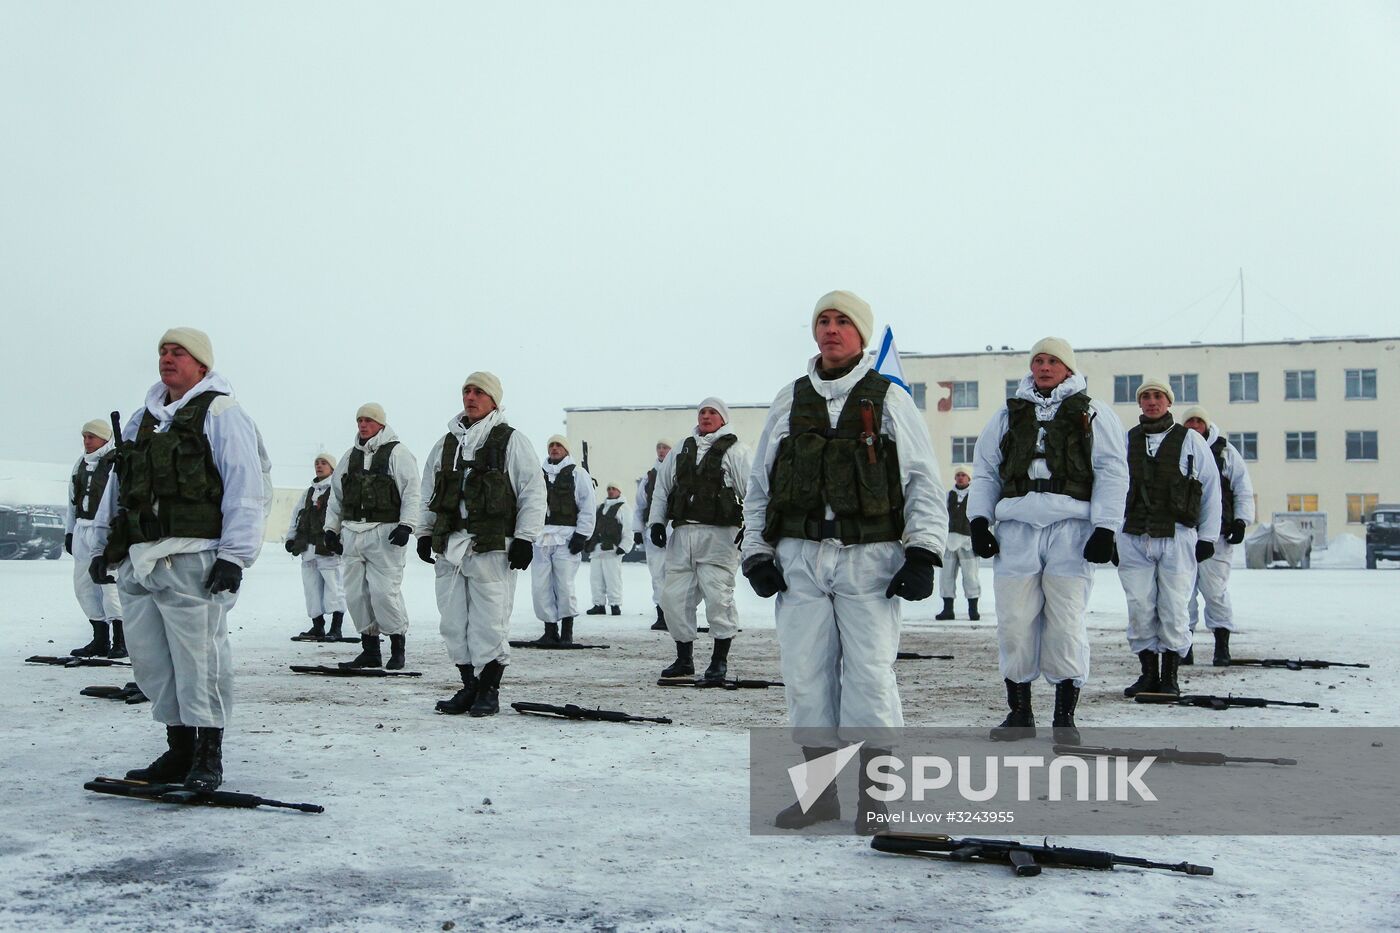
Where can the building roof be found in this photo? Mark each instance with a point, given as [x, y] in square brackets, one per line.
[731, 405]
[1193, 345]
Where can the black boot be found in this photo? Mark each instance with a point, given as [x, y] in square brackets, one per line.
[826, 807]
[719, 662]
[462, 700]
[566, 631]
[337, 618]
[1190, 655]
[207, 771]
[684, 665]
[947, 612]
[369, 655]
[1222, 648]
[1062, 726]
[174, 763]
[1147, 681]
[972, 612]
[395, 653]
[118, 649]
[550, 636]
[1170, 660]
[1020, 722]
[872, 816]
[597, 611]
[617, 610]
[660, 624]
[99, 646]
[317, 630]
[488, 686]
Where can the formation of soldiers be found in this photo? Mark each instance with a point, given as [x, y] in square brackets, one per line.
[838, 513]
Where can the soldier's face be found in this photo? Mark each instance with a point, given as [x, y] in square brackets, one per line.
[92, 443]
[1154, 403]
[322, 468]
[178, 370]
[1048, 371]
[476, 403]
[709, 421]
[837, 337]
[1199, 426]
[368, 427]
[614, 492]
[961, 479]
[557, 452]
[662, 450]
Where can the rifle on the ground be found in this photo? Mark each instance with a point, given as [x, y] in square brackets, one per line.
[556, 646]
[1025, 859]
[736, 683]
[325, 638]
[326, 671]
[1167, 755]
[1208, 701]
[571, 711]
[1291, 664]
[130, 693]
[71, 661]
[178, 793]
[914, 656]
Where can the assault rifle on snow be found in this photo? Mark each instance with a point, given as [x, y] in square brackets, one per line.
[556, 646]
[1167, 755]
[1291, 664]
[736, 683]
[326, 671]
[1207, 701]
[130, 693]
[1025, 860]
[71, 661]
[914, 656]
[178, 793]
[570, 711]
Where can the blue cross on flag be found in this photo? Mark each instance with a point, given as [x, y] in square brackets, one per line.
[887, 361]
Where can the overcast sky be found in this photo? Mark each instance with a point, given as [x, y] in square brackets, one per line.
[611, 203]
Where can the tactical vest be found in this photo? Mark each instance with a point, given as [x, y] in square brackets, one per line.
[649, 487]
[91, 486]
[698, 494]
[169, 484]
[851, 469]
[609, 531]
[370, 495]
[957, 515]
[561, 508]
[1159, 496]
[311, 524]
[482, 485]
[1227, 493]
[1069, 448]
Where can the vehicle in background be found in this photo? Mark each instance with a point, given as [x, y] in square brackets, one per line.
[1383, 535]
[30, 533]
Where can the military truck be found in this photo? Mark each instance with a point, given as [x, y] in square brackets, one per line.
[29, 533]
[1383, 535]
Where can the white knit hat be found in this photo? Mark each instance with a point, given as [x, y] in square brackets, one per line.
[328, 457]
[1160, 386]
[99, 428]
[963, 468]
[195, 342]
[1195, 411]
[718, 405]
[489, 383]
[559, 439]
[374, 411]
[1059, 348]
[663, 442]
[853, 306]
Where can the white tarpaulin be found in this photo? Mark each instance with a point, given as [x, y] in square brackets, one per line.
[1281, 541]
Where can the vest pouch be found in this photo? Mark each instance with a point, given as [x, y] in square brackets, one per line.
[444, 491]
[841, 476]
[160, 454]
[872, 480]
[495, 494]
[190, 473]
[798, 474]
[1186, 496]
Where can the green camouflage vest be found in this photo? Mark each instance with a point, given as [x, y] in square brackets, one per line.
[561, 508]
[485, 491]
[957, 515]
[91, 486]
[848, 469]
[169, 485]
[311, 524]
[1159, 496]
[370, 495]
[609, 530]
[698, 494]
[1069, 448]
[1227, 493]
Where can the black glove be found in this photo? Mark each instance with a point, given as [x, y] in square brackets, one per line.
[658, 535]
[1204, 550]
[400, 535]
[520, 553]
[1099, 548]
[289, 547]
[914, 581]
[425, 549]
[576, 543]
[764, 576]
[224, 575]
[984, 543]
[637, 539]
[68, 542]
[333, 543]
[619, 551]
[97, 571]
[1236, 533]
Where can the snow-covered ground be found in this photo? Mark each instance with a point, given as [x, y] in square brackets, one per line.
[519, 822]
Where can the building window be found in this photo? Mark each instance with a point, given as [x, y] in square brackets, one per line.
[1361, 383]
[1247, 443]
[1302, 502]
[963, 448]
[1361, 445]
[1360, 505]
[1012, 386]
[964, 395]
[1301, 445]
[1244, 387]
[1125, 389]
[1184, 387]
[920, 392]
[1300, 385]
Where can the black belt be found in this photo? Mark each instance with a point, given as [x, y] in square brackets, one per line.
[1047, 485]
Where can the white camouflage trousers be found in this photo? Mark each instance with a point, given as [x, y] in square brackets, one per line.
[1041, 582]
[374, 580]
